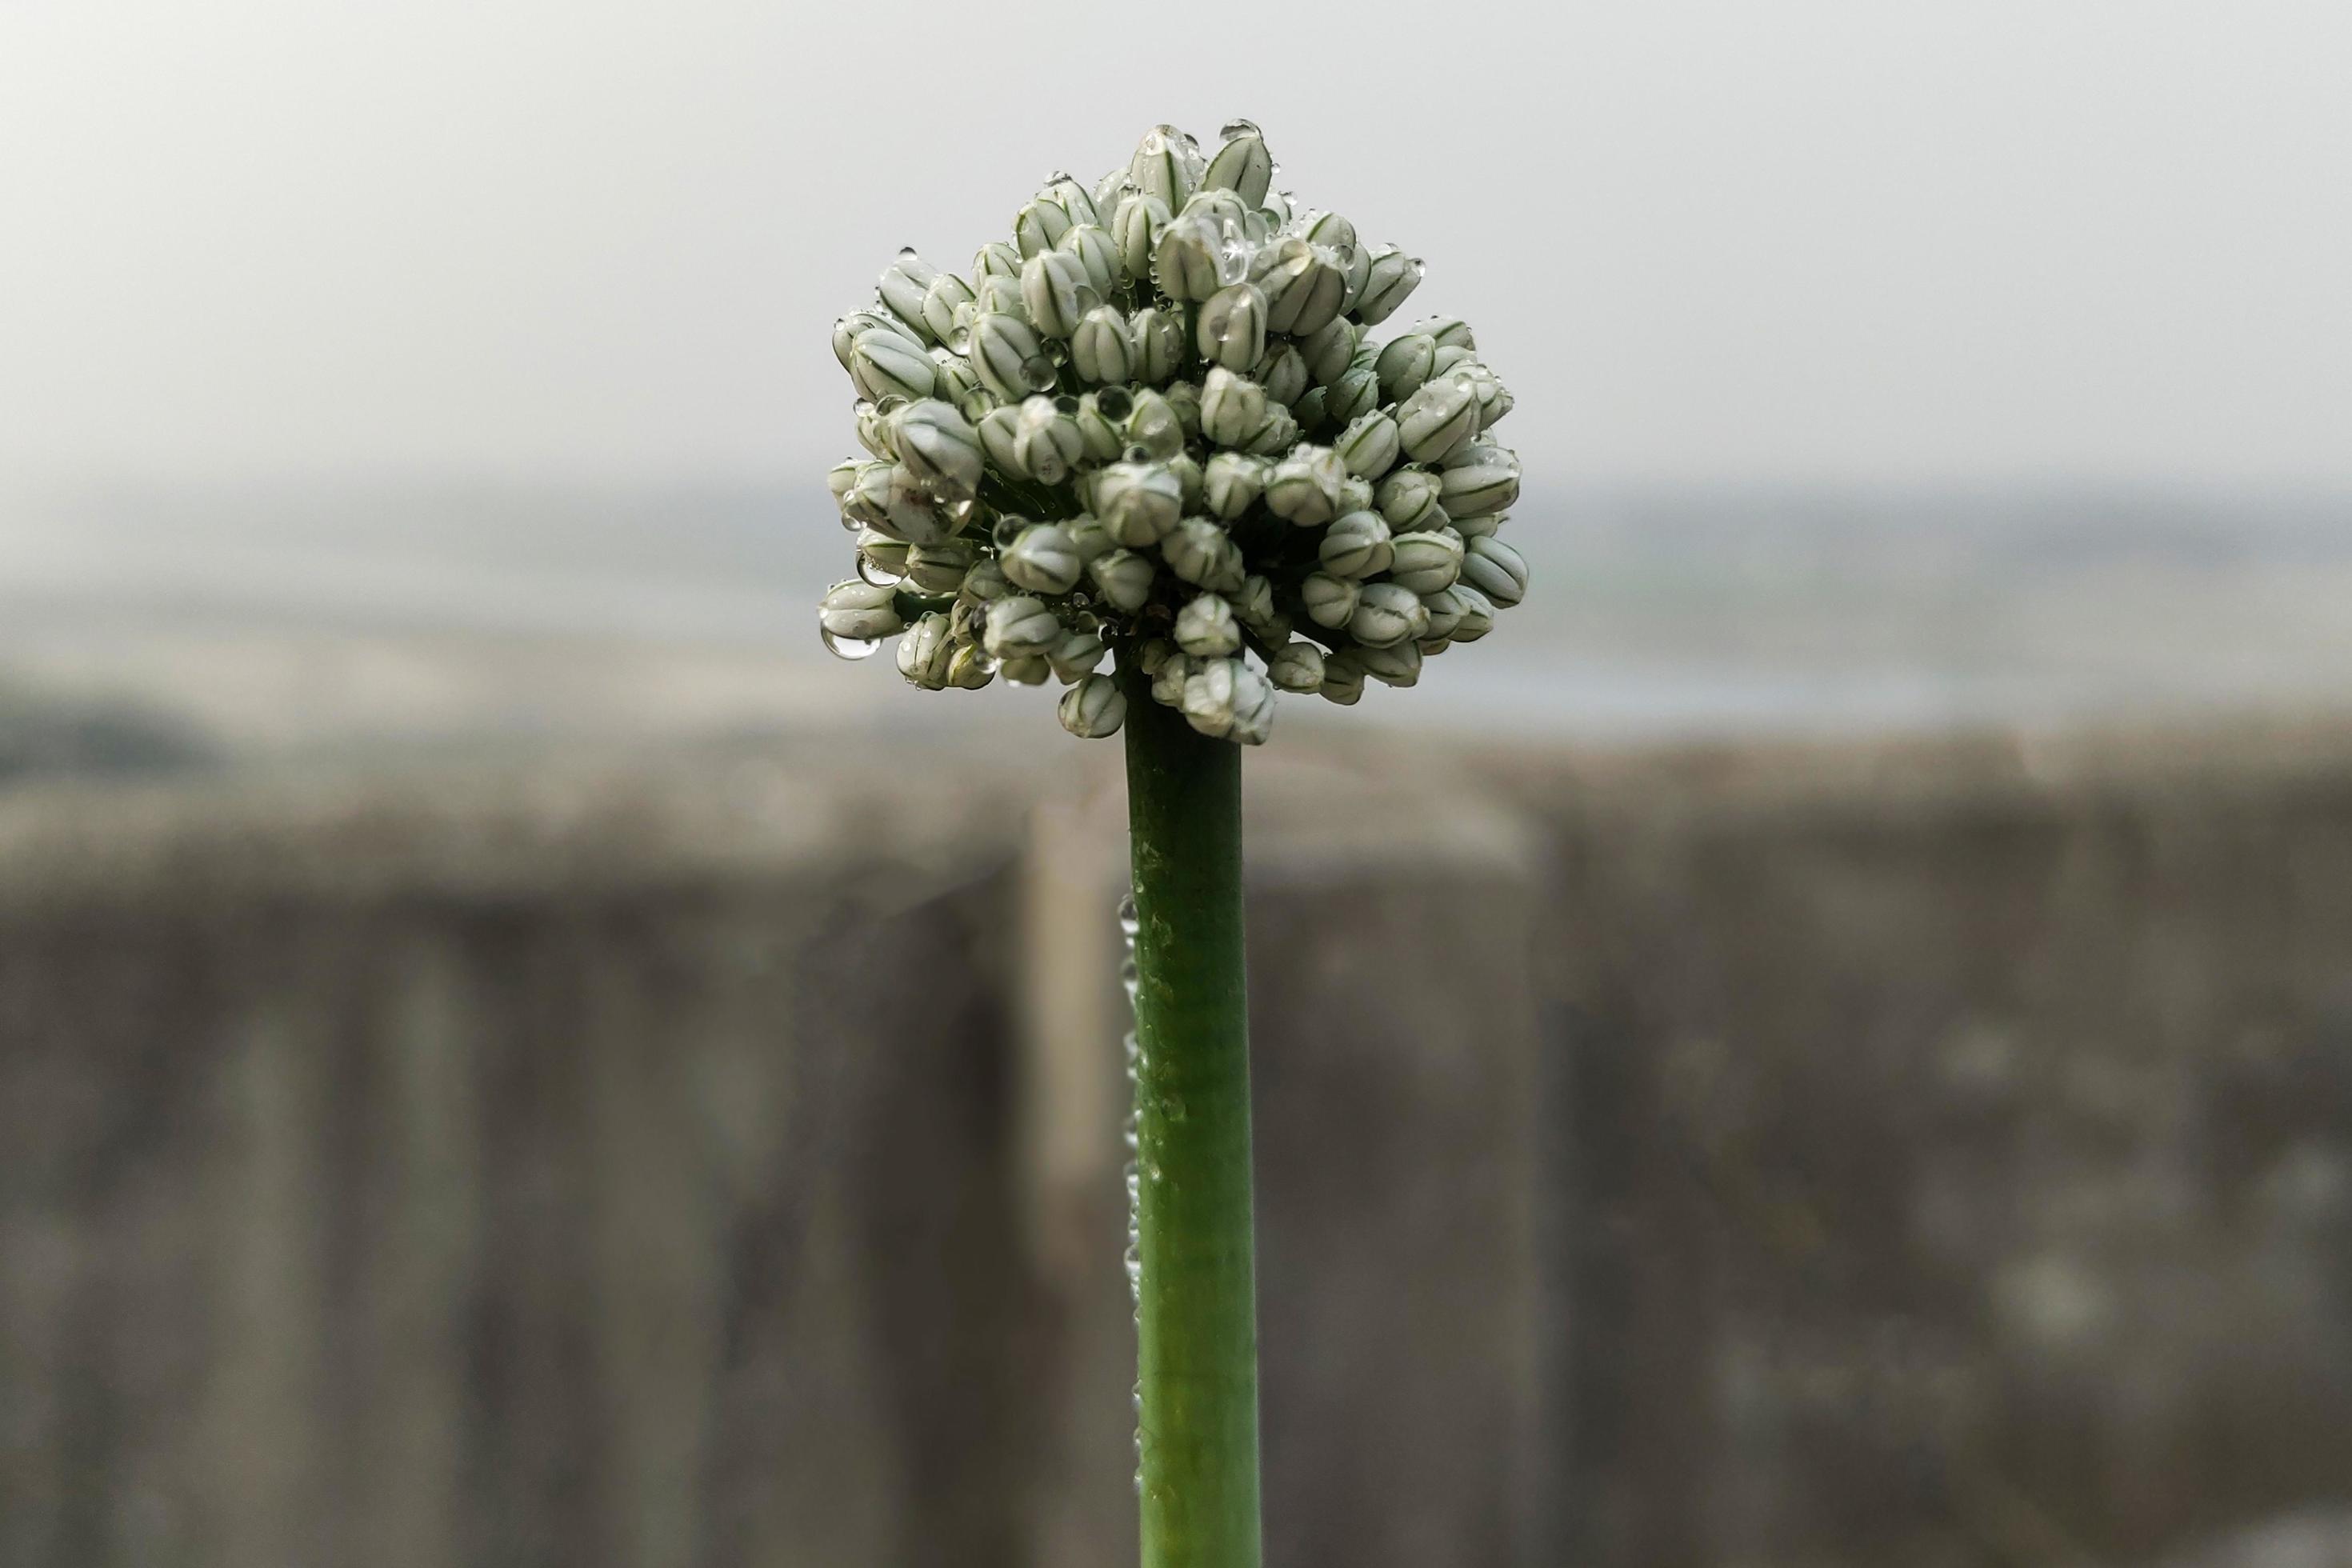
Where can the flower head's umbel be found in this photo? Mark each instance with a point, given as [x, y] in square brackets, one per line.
[1155, 418]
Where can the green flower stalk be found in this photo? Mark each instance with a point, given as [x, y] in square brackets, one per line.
[1151, 430]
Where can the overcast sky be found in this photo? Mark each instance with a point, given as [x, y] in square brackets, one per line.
[1731, 241]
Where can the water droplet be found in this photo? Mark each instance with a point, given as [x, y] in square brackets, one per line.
[1008, 529]
[879, 576]
[1065, 403]
[1232, 128]
[1037, 372]
[1129, 921]
[1130, 978]
[959, 510]
[1114, 404]
[1139, 453]
[959, 338]
[906, 253]
[848, 647]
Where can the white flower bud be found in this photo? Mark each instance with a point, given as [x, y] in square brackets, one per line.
[1243, 166]
[1426, 561]
[1167, 164]
[1077, 656]
[1450, 332]
[1123, 577]
[1446, 606]
[1408, 501]
[1136, 226]
[1226, 699]
[1205, 627]
[1008, 357]
[1395, 276]
[1044, 559]
[939, 446]
[939, 568]
[1020, 627]
[1231, 483]
[1167, 678]
[1495, 569]
[1032, 670]
[1386, 615]
[1046, 439]
[995, 296]
[1231, 330]
[1450, 359]
[995, 259]
[1330, 599]
[1253, 608]
[904, 283]
[1304, 487]
[1398, 665]
[1055, 288]
[885, 365]
[1343, 679]
[874, 430]
[1355, 394]
[1038, 225]
[1329, 229]
[915, 510]
[1184, 262]
[1304, 287]
[1138, 502]
[1000, 439]
[1487, 387]
[1477, 614]
[947, 292]
[1358, 262]
[857, 323]
[1471, 528]
[869, 499]
[1205, 555]
[1328, 351]
[970, 667]
[1480, 480]
[1370, 446]
[924, 652]
[885, 556]
[1153, 424]
[1187, 469]
[1089, 538]
[1356, 546]
[1093, 708]
[1296, 667]
[985, 582]
[1355, 494]
[1283, 373]
[842, 480]
[1404, 364]
[1436, 420]
[1100, 350]
[1277, 433]
[1231, 407]
[1158, 339]
[860, 611]
[959, 388]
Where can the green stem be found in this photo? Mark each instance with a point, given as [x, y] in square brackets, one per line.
[1196, 1303]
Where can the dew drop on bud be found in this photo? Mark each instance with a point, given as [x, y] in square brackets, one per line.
[880, 576]
[1232, 128]
[848, 647]
[960, 340]
[1038, 372]
[906, 253]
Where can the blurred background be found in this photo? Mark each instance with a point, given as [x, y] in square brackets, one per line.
[1827, 1041]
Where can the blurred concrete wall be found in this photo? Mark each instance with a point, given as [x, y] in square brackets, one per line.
[1933, 1154]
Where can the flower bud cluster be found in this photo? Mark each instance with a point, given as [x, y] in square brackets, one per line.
[1153, 428]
